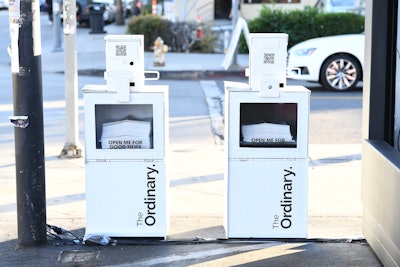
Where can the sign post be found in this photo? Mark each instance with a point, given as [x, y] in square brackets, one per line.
[28, 121]
[72, 147]
[241, 25]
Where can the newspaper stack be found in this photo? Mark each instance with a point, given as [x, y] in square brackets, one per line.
[126, 134]
[267, 133]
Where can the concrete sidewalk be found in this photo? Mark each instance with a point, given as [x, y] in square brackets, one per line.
[196, 234]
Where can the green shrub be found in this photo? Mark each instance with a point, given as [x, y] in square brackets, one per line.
[302, 25]
[151, 27]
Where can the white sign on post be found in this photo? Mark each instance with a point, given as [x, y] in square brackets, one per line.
[241, 25]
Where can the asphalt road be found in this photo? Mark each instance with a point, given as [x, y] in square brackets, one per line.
[335, 117]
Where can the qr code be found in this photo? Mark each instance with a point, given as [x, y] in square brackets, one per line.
[120, 50]
[269, 58]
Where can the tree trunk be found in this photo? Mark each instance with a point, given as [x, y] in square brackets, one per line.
[119, 19]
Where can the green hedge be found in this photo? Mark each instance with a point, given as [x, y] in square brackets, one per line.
[151, 27]
[298, 24]
[301, 25]
[339, 23]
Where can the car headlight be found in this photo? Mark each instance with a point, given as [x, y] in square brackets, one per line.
[304, 52]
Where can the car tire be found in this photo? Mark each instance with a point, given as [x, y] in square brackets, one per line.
[340, 72]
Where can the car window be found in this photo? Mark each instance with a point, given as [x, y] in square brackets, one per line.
[83, 2]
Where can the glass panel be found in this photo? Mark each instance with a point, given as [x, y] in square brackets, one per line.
[268, 125]
[397, 90]
[126, 126]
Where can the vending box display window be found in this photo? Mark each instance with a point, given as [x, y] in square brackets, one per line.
[124, 126]
[268, 125]
[140, 119]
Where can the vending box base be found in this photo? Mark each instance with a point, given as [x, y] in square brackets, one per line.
[267, 198]
[126, 199]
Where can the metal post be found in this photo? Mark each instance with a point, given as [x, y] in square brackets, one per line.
[57, 41]
[71, 147]
[28, 121]
[234, 22]
[120, 19]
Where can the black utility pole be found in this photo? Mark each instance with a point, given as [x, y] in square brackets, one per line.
[28, 121]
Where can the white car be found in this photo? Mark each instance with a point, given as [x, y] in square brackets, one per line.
[355, 6]
[337, 62]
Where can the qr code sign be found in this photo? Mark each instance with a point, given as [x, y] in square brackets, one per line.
[269, 58]
[120, 50]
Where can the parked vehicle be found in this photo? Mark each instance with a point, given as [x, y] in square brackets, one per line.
[44, 7]
[110, 10]
[355, 6]
[337, 62]
[110, 7]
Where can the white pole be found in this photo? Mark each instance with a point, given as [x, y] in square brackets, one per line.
[71, 147]
[57, 42]
[234, 22]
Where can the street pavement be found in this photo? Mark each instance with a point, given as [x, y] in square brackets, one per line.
[196, 234]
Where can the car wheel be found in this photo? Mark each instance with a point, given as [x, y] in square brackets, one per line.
[340, 72]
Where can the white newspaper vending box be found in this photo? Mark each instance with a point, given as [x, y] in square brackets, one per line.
[266, 163]
[266, 141]
[126, 163]
[125, 148]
